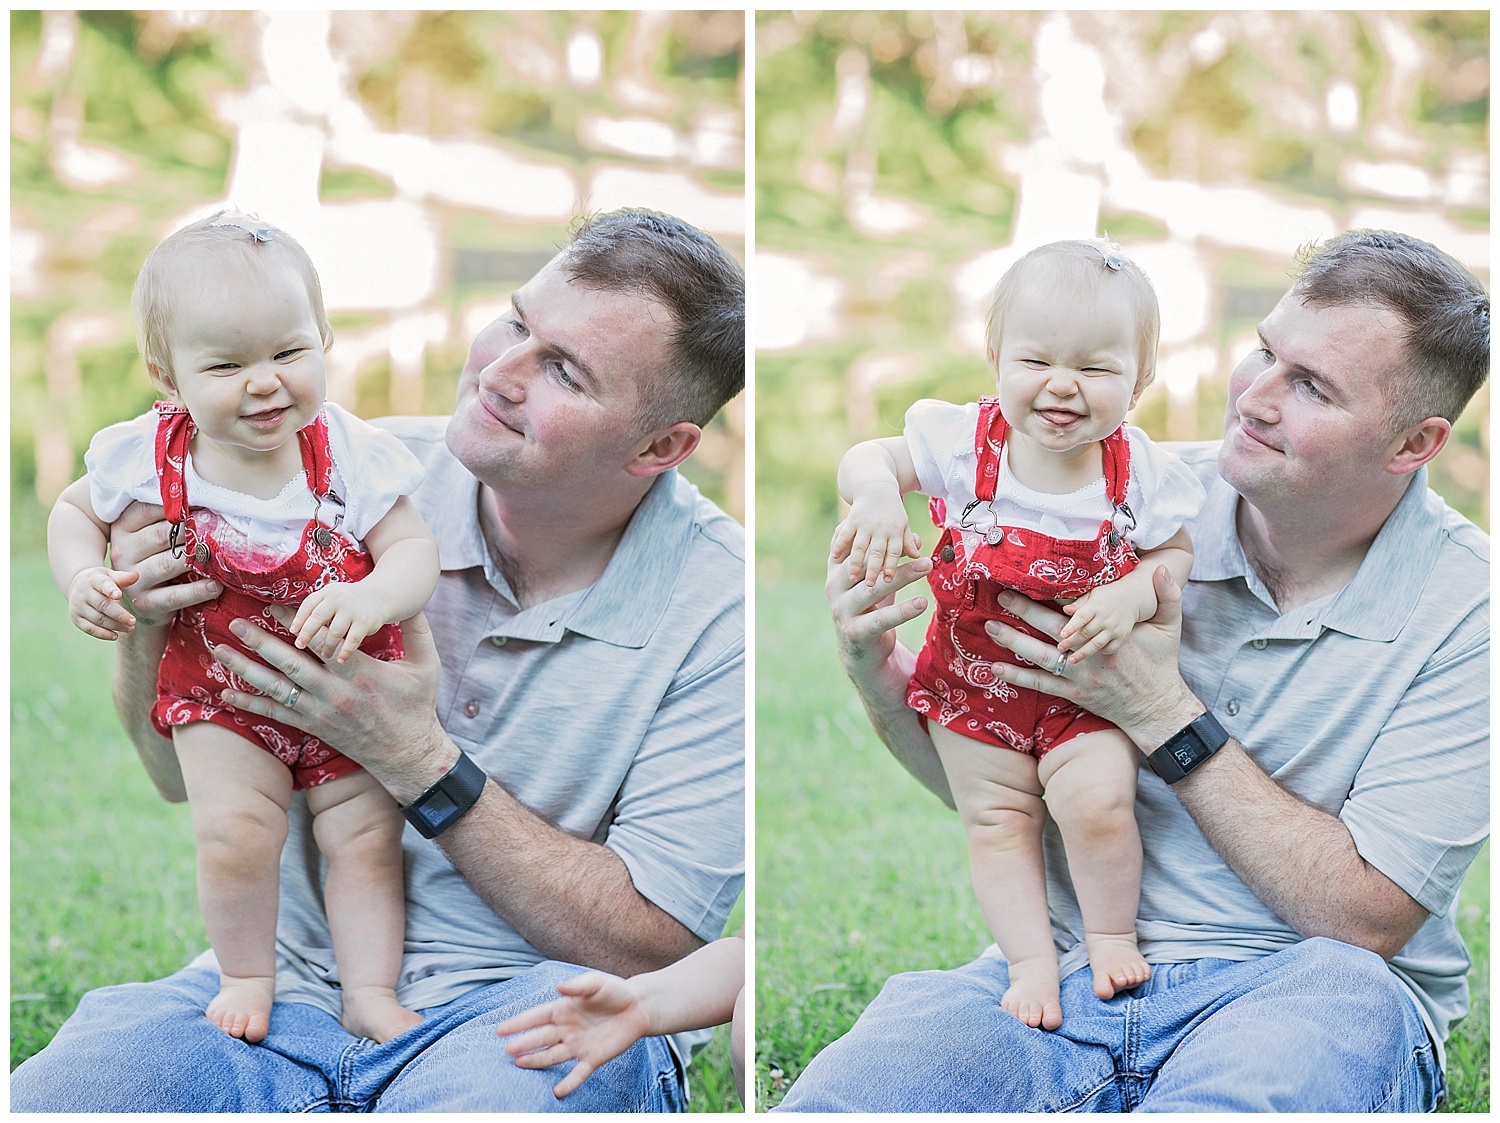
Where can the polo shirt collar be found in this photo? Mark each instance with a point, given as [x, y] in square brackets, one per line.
[624, 606]
[1382, 595]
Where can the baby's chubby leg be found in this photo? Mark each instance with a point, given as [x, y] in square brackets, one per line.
[1090, 785]
[358, 827]
[238, 795]
[999, 798]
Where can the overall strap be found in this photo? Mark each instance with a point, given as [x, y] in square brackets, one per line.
[1116, 450]
[989, 441]
[174, 434]
[317, 457]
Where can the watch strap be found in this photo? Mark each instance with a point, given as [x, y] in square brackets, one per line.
[443, 804]
[1189, 747]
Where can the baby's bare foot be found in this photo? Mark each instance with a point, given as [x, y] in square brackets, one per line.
[1116, 961]
[242, 1008]
[373, 1012]
[1033, 995]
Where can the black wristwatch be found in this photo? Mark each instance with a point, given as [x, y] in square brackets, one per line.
[444, 804]
[1188, 748]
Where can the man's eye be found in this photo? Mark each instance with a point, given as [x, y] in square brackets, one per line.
[1266, 355]
[562, 375]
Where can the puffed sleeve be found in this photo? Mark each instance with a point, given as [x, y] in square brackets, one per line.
[1164, 494]
[374, 467]
[940, 436]
[121, 463]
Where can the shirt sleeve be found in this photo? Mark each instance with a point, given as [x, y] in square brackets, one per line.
[375, 468]
[1419, 808]
[679, 822]
[1164, 493]
[940, 436]
[121, 463]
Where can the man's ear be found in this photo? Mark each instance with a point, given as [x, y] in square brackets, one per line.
[1418, 445]
[665, 448]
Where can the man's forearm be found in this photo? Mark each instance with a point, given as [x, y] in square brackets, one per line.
[137, 657]
[882, 689]
[571, 899]
[1298, 859]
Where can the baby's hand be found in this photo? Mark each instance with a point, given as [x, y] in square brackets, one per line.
[874, 537]
[1101, 620]
[344, 608]
[598, 1017]
[95, 601]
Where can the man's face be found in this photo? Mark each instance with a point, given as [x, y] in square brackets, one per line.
[1307, 419]
[550, 392]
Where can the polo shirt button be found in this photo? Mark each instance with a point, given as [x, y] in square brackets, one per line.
[471, 707]
[499, 641]
[1231, 709]
[1258, 644]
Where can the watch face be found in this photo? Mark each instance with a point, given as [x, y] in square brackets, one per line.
[437, 806]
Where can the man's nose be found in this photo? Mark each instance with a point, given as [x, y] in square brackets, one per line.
[1259, 395]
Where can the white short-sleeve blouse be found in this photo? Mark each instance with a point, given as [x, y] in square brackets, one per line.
[371, 470]
[1163, 494]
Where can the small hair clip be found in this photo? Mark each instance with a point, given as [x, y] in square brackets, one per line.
[250, 224]
[1114, 262]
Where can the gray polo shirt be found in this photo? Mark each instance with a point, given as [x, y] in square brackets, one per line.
[1372, 704]
[616, 713]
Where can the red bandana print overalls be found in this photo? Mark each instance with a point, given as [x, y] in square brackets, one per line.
[953, 683]
[189, 681]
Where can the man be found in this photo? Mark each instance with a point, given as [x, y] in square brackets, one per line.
[576, 758]
[1302, 861]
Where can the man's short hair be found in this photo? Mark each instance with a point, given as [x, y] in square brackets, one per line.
[1444, 308]
[668, 261]
[221, 242]
[1083, 265]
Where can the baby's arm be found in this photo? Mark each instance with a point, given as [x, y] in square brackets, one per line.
[873, 476]
[599, 1016]
[77, 540]
[1103, 617]
[405, 574]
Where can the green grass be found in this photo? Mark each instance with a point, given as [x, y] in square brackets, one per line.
[861, 874]
[102, 872]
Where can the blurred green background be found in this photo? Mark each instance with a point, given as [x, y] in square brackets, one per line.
[431, 162]
[901, 160]
[448, 150]
[898, 155]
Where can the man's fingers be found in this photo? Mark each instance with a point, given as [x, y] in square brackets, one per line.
[1168, 597]
[1036, 652]
[1043, 618]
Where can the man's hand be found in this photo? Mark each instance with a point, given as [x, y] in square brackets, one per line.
[1138, 688]
[139, 541]
[380, 714]
[866, 615]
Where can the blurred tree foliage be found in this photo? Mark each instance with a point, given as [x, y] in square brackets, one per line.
[919, 107]
[140, 92]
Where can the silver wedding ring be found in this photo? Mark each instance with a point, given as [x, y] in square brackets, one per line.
[291, 699]
[1062, 661]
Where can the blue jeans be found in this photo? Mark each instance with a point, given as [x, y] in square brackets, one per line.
[1322, 1026]
[148, 1047]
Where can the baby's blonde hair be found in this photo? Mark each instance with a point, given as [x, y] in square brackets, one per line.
[222, 241]
[1085, 265]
